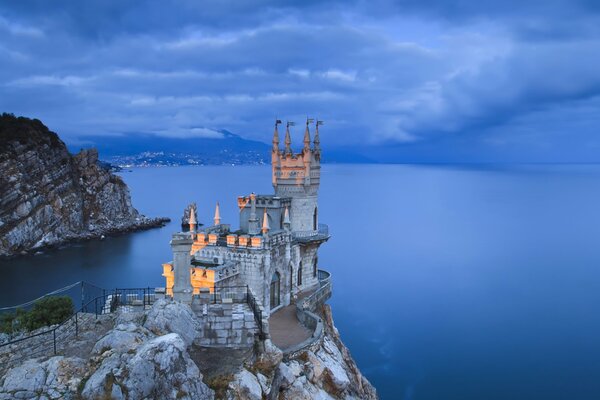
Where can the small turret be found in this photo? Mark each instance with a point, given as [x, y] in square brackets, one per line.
[307, 135]
[317, 141]
[217, 215]
[265, 224]
[193, 222]
[288, 138]
[276, 137]
[286, 219]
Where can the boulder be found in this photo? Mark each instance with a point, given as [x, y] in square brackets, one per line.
[123, 338]
[245, 386]
[55, 378]
[160, 369]
[170, 316]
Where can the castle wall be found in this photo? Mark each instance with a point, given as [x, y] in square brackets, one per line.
[302, 213]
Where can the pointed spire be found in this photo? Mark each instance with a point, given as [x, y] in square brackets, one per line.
[276, 137]
[307, 134]
[288, 139]
[193, 222]
[217, 215]
[317, 141]
[265, 224]
[286, 219]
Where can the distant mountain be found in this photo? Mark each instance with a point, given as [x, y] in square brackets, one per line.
[139, 149]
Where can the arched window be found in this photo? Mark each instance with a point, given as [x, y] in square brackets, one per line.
[275, 285]
[300, 275]
[315, 267]
[315, 219]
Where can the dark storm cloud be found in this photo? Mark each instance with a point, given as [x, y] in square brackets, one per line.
[383, 71]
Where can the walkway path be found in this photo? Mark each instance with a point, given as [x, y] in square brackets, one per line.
[286, 330]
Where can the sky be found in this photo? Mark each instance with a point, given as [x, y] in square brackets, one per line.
[401, 81]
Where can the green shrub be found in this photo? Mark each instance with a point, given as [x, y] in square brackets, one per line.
[45, 312]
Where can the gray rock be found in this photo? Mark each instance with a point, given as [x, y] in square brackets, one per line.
[160, 368]
[55, 378]
[245, 386]
[123, 338]
[168, 316]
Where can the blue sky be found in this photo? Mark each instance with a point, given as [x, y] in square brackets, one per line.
[404, 80]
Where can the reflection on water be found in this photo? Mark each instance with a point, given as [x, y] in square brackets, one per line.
[450, 282]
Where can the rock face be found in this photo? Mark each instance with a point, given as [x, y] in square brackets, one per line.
[148, 356]
[49, 197]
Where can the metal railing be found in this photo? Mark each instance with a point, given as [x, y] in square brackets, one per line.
[256, 310]
[50, 340]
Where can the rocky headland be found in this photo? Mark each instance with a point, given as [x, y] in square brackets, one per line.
[155, 354]
[49, 197]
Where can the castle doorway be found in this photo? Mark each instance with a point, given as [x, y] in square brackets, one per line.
[275, 289]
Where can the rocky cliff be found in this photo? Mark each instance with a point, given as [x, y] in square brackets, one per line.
[49, 197]
[154, 355]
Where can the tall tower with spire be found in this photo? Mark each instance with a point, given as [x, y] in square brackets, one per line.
[297, 175]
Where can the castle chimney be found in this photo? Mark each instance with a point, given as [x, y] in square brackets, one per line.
[193, 223]
[253, 228]
[217, 215]
[265, 224]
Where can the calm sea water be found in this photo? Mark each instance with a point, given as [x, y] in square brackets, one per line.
[450, 282]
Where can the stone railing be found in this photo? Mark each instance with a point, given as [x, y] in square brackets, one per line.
[306, 311]
[322, 233]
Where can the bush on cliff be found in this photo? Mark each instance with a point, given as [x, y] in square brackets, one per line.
[45, 312]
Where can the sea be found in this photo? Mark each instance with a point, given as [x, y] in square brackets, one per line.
[471, 282]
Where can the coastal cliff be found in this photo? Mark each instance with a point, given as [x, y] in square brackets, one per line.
[49, 197]
[154, 354]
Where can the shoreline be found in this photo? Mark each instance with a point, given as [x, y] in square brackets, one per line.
[143, 224]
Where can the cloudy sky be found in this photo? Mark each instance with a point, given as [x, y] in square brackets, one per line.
[414, 80]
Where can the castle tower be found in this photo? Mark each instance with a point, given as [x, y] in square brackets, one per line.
[297, 175]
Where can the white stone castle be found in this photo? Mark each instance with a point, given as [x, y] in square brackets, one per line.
[274, 251]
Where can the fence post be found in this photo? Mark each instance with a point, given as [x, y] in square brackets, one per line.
[54, 340]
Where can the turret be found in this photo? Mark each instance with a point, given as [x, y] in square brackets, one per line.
[307, 135]
[276, 137]
[217, 215]
[297, 176]
[286, 220]
[265, 224]
[193, 222]
[317, 141]
[288, 139]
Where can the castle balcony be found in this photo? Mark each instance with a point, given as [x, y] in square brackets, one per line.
[319, 235]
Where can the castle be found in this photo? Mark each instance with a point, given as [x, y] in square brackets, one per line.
[274, 251]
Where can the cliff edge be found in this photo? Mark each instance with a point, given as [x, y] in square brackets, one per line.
[49, 197]
[155, 355]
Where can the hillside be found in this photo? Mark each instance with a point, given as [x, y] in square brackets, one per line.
[49, 197]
